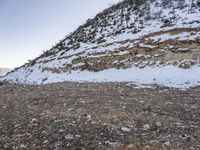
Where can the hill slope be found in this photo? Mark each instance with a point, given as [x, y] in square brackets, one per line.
[140, 41]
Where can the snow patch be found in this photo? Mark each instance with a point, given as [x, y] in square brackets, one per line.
[170, 76]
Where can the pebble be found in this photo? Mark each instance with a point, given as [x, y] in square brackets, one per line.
[59, 120]
[167, 143]
[46, 141]
[109, 143]
[16, 125]
[78, 136]
[89, 118]
[61, 130]
[69, 137]
[125, 129]
[70, 109]
[34, 120]
[146, 127]
[23, 146]
[130, 146]
[158, 124]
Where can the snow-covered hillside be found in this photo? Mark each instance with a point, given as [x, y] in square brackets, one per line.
[139, 41]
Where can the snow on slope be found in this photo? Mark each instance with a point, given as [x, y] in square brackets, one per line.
[167, 76]
[139, 41]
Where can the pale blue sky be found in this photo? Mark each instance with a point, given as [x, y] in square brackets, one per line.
[27, 27]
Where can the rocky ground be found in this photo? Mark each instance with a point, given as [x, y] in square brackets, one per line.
[86, 116]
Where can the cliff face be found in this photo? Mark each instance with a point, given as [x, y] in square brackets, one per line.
[130, 36]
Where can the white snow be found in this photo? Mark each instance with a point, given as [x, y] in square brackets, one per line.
[170, 76]
[181, 36]
[147, 46]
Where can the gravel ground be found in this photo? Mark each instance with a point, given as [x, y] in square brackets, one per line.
[99, 116]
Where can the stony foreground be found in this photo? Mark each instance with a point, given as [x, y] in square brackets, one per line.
[98, 116]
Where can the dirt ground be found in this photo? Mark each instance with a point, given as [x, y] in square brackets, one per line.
[98, 116]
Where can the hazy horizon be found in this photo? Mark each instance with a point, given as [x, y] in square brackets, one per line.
[29, 27]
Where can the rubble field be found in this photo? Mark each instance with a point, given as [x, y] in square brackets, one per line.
[99, 116]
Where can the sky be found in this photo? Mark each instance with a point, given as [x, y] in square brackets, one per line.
[28, 27]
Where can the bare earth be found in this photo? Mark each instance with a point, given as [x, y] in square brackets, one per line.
[87, 116]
